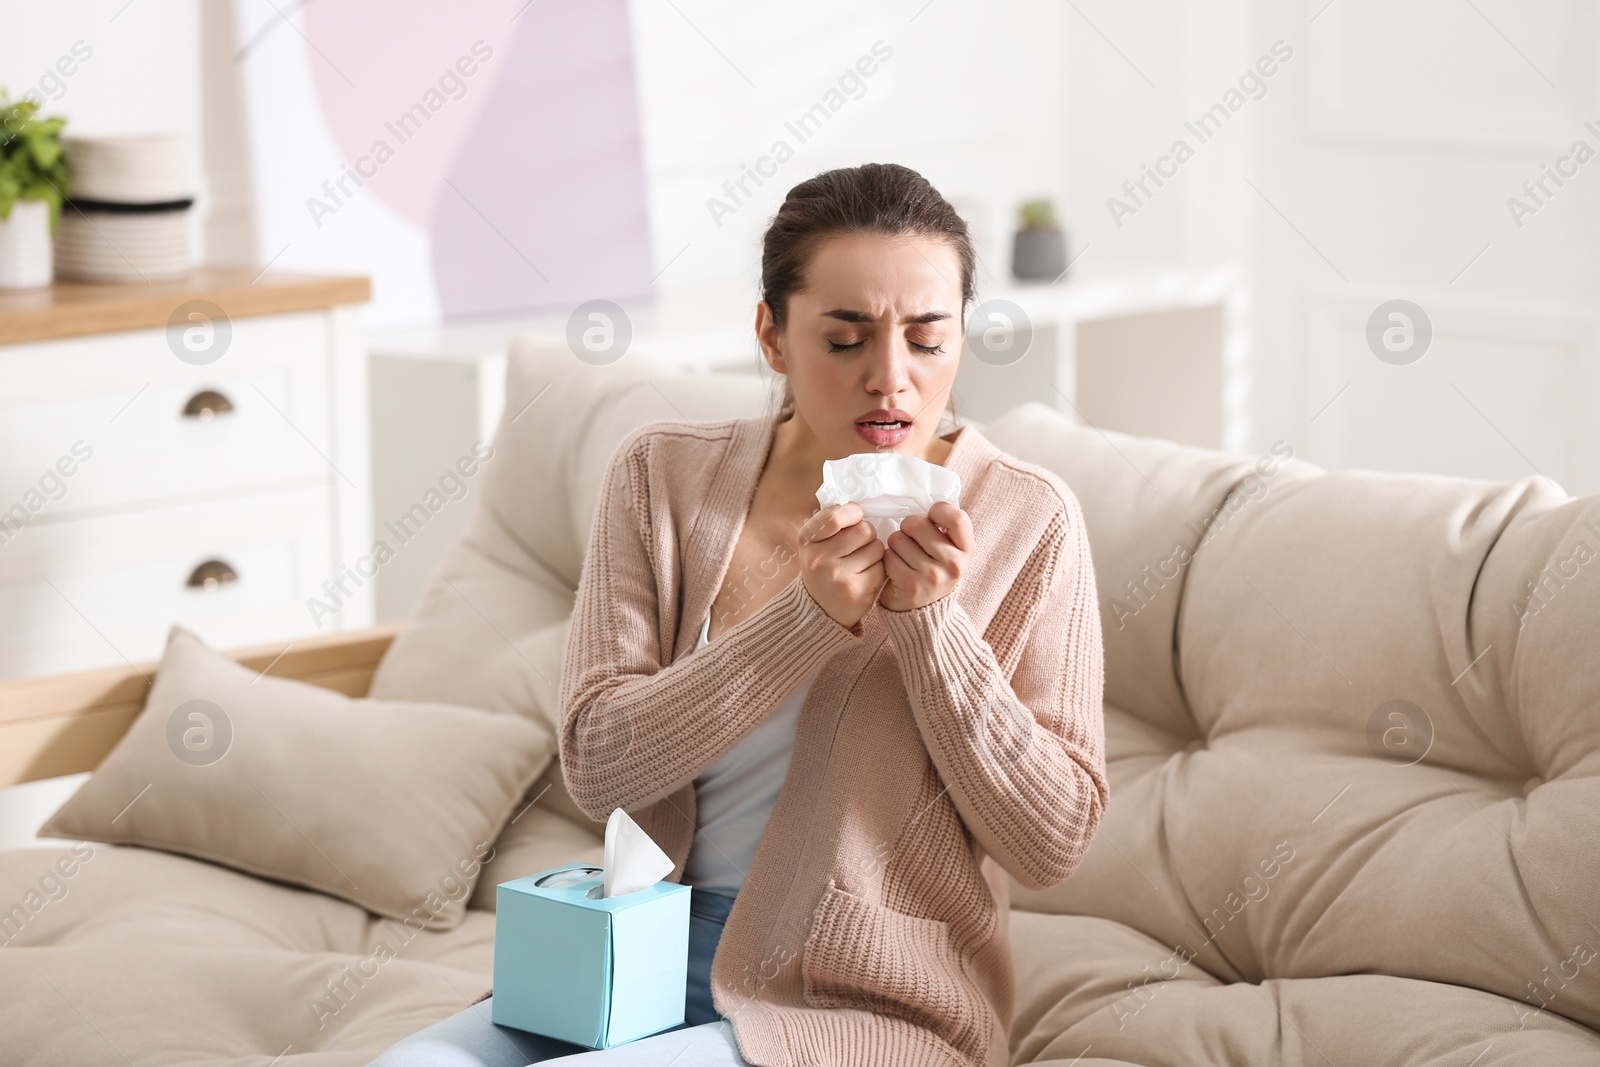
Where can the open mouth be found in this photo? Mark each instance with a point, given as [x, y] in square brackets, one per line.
[884, 427]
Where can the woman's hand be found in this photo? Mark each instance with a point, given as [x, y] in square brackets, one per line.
[841, 562]
[926, 557]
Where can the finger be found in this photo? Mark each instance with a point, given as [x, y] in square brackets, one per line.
[909, 550]
[865, 557]
[896, 569]
[851, 539]
[957, 524]
[928, 538]
[831, 520]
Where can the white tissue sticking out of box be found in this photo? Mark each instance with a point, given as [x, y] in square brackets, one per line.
[889, 486]
[632, 861]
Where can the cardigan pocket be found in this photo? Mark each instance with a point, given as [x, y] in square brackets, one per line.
[860, 954]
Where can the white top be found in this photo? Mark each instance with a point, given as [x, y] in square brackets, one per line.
[735, 795]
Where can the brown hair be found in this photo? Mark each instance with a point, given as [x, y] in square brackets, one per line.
[883, 198]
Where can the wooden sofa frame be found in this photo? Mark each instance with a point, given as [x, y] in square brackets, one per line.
[67, 723]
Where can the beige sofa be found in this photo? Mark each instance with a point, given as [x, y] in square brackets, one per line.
[1354, 773]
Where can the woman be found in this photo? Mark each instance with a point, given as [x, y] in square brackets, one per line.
[845, 744]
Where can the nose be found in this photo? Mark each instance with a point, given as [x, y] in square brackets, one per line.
[887, 372]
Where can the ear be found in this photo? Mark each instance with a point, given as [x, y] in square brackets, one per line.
[771, 340]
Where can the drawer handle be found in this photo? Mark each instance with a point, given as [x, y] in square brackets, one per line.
[212, 574]
[206, 405]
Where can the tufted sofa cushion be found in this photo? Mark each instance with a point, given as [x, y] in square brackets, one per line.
[127, 955]
[1340, 744]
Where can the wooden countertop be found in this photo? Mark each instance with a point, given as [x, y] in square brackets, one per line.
[75, 309]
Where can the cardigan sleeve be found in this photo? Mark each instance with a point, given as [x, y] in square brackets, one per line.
[633, 727]
[1024, 758]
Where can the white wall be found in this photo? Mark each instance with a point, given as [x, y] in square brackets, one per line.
[1377, 165]
[142, 73]
[973, 96]
[1410, 128]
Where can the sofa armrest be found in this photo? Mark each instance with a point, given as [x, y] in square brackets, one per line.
[67, 723]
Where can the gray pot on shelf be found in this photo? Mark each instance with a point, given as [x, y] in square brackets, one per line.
[1038, 254]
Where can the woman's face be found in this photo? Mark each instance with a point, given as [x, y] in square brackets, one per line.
[874, 337]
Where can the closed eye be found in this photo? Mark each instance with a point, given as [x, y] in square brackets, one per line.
[932, 350]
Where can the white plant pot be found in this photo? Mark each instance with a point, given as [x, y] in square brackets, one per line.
[26, 260]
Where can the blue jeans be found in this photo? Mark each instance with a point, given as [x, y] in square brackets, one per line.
[708, 912]
[470, 1039]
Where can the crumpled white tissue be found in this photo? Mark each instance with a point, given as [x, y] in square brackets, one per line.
[632, 860]
[889, 486]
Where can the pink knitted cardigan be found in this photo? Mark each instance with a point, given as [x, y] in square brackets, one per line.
[937, 750]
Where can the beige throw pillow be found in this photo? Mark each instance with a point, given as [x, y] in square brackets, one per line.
[391, 805]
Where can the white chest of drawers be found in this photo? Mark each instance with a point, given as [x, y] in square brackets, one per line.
[211, 469]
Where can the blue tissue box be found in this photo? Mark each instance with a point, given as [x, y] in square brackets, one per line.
[594, 971]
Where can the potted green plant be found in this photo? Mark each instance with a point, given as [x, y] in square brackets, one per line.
[1039, 249]
[33, 184]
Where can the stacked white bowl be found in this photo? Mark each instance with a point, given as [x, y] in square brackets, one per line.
[127, 219]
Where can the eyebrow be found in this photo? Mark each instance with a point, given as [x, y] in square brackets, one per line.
[849, 315]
